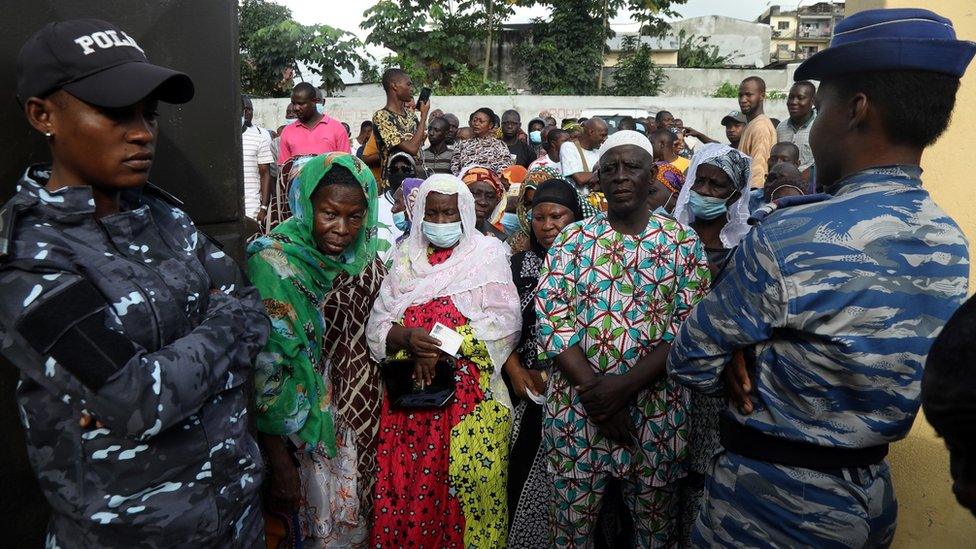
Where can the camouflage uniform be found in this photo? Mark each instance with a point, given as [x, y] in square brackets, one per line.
[842, 300]
[116, 316]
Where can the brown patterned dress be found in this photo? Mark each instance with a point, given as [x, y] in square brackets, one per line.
[356, 384]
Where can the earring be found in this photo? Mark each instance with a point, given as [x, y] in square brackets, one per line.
[48, 134]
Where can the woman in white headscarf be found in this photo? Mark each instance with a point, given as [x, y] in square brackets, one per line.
[715, 200]
[443, 472]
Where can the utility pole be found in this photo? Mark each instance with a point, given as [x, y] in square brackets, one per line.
[603, 46]
[484, 73]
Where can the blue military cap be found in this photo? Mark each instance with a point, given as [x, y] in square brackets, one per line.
[889, 40]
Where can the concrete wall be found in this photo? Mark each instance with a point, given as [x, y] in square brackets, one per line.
[702, 113]
[704, 82]
[680, 82]
[747, 41]
[929, 515]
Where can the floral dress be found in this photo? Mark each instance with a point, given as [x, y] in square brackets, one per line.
[339, 491]
[442, 473]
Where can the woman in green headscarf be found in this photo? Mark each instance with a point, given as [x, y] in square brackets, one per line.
[317, 390]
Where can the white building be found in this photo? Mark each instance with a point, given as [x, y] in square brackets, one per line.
[746, 41]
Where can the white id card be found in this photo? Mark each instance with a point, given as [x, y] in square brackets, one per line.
[449, 338]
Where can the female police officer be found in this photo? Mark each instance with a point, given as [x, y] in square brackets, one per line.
[115, 307]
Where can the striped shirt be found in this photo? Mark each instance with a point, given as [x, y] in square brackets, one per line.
[842, 300]
[800, 137]
[437, 163]
[256, 149]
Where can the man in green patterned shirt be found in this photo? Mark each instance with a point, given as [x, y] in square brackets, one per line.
[612, 294]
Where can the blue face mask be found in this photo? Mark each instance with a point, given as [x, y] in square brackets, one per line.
[442, 235]
[400, 221]
[706, 208]
[320, 108]
[535, 137]
[511, 223]
[663, 210]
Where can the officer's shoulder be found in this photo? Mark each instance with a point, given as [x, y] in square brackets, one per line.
[163, 195]
[773, 210]
[10, 213]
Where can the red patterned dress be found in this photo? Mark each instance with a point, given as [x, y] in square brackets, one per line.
[442, 473]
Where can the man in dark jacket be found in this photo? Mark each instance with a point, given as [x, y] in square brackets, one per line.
[133, 333]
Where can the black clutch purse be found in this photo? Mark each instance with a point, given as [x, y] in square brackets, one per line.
[405, 393]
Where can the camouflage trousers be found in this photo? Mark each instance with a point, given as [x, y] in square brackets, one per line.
[751, 503]
[654, 511]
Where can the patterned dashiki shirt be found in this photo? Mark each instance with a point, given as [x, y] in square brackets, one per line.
[390, 129]
[618, 296]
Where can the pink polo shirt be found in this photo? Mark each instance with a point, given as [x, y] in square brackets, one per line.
[327, 136]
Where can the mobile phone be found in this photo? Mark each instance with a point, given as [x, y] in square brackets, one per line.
[424, 96]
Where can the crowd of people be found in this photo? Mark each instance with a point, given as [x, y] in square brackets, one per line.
[491, 335]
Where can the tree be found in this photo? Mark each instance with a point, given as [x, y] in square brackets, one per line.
[572, 41]
[435, 36]
[636, 73]
[694, 52]
[274, 48]
[560, 61]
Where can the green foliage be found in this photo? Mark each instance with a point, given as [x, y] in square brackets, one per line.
[464, 81]
[694, 52]
[468, 82]
[255, 15]
[566, 53]
[727, 90]
[635, 73]
[273, 45]
[730, 90]
[434, 36]
[370, 74]
[559, 61]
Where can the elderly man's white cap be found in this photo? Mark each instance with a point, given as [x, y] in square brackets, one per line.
[627, 137]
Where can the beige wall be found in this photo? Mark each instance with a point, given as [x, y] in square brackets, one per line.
[660, 58]
[929, 515]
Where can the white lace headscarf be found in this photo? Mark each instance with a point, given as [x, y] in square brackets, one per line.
[738, 166]
[477, 277]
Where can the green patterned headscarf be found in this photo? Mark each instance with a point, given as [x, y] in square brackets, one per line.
[293, 277]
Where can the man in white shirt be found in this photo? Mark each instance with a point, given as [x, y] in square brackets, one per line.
[552, 141]
[256, 149]
[578, 160]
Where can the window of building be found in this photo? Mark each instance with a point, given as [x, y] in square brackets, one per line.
[782, 25]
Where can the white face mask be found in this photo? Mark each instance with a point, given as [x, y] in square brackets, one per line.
[442, 235]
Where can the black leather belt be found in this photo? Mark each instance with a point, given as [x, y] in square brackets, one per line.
[754, 444]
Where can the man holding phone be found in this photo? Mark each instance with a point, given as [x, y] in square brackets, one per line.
[396, 128]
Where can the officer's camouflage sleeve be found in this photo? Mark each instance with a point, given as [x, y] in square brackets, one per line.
[55, 330]
[227, 277]
[742, 309]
